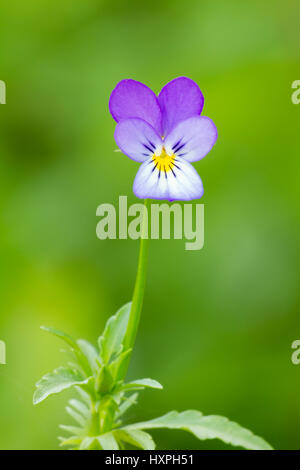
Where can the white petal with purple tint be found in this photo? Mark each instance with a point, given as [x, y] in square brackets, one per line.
[192, 139]
[137, 139]
[181, 183]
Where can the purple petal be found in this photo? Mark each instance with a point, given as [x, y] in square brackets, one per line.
[132, 99]
[137, 139]
[179, 99]
[192, 139]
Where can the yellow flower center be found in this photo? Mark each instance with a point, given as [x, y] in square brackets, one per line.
[163, 162]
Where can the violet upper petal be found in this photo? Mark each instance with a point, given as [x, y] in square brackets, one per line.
[133, 99]
[137, 139]
[192, 139]
[179, 99]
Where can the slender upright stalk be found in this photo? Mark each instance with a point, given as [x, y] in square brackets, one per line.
[138, 293]
[140, 282]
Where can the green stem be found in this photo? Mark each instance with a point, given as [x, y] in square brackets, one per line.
[140, 282]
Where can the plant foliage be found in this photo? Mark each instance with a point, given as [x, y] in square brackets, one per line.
[103, 398]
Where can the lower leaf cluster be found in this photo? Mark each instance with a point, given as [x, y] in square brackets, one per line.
[103, 397]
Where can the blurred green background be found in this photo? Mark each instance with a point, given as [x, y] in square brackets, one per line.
[217, 324]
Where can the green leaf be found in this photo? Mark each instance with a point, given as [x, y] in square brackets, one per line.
[74, 430]
[76, 416]
[89, 387]
[104, 380]
[110, 342]
[140, 384]
[60, 334]
[75, 366]
[80, 356]
[107, 410]
[72, 441]
[85, 397]
[90, 352]
[86, 443]
[107, 441]
[127, 403]
[80, 407]
[117, 364]
[136, 438]
[206, 427]
[57, 381]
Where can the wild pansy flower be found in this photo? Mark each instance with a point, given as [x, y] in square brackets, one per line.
[165, 134]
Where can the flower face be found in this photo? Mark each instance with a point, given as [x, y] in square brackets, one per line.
[165, 134]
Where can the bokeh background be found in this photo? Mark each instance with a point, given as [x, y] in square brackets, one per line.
[217, 324]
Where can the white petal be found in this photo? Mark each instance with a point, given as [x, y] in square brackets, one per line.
[187, 185]
[182, 184]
